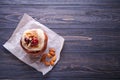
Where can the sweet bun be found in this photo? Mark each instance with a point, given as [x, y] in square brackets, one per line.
[34, 41]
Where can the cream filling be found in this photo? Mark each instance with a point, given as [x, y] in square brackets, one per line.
[41, 38]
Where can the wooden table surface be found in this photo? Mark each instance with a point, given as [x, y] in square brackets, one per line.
[91, 29]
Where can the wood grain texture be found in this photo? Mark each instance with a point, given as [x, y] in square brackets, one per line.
[91, 29]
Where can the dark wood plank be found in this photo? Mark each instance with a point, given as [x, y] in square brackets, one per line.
[59, 2]
[79, 16]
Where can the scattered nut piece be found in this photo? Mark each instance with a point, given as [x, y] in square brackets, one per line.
[54, 58]
[49, 55]
[43, 58]
[47, 63]
[52, 63]
[51, 50]
[52, 53]
[49, 58]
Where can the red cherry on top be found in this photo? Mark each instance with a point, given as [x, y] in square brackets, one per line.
[34, 41]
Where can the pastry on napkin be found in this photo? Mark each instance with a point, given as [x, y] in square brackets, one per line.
[54, 41]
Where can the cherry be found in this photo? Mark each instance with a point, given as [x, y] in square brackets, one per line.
[34, 41]
[27, 40]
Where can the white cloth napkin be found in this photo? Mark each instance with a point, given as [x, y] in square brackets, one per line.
[13, 44]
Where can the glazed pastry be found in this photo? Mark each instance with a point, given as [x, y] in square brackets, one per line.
[34, 41]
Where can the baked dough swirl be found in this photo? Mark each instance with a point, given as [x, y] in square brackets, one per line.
[34, 41]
